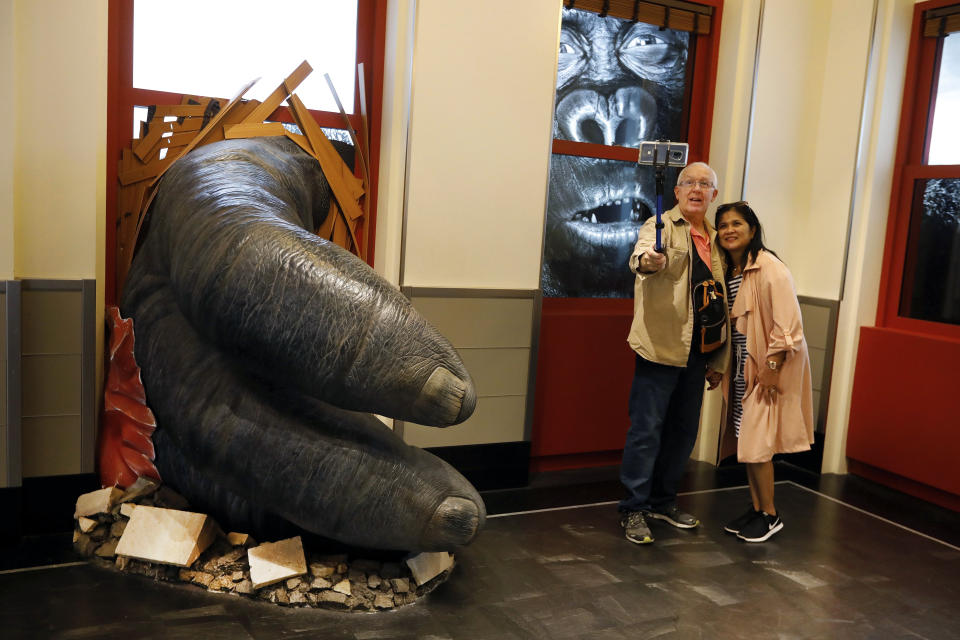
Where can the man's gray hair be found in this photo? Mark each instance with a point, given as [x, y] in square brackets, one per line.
[683, 172]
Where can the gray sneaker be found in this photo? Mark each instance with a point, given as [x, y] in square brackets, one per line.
[635, 527]
[674, 516]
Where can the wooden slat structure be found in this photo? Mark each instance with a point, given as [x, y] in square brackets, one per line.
[200, 120]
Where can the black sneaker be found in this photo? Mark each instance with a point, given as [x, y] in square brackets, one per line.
[674, 516]
[635, 527]
[737, 524]
[761, 528]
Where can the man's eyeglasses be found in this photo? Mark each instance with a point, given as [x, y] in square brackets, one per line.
[689, 184]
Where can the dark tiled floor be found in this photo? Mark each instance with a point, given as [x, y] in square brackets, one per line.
[836, 571]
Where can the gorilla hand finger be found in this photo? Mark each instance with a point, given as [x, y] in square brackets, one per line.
[229, 232]
[232, 445]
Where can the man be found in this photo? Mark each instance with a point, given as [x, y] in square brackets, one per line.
[673, 353]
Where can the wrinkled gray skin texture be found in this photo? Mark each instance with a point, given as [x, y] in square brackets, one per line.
[618, 83]
[265, 350]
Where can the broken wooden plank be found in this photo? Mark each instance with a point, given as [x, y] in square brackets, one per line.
[179, 110]
[275, 99]
[214, 121]
[301, 141]
[153, 169]
[253, 130]
[334, 168]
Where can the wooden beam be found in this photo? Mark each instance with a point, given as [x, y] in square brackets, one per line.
[214, 121]
[345, 186]
[253, 130]
[280, 94]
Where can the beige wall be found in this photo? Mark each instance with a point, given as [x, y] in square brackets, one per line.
[802, 157]
[60, 93]
[884, 89]
[479, 143]
[7, 133]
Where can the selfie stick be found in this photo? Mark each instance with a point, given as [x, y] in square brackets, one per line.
[660, 170]
[660, 155]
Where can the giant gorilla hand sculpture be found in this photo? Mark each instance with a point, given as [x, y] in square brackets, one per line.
[262, 347]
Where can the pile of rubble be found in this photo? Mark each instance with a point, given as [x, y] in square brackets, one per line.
[148, 530]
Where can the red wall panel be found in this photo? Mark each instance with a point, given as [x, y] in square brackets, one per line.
[584, 371]
[904, 414]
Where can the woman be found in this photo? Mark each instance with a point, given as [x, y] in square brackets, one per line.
[768, 388]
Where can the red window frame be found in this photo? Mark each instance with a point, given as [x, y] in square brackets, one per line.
[916, 121]
[122, 96]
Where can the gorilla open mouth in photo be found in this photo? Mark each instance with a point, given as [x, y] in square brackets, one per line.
[618, 83]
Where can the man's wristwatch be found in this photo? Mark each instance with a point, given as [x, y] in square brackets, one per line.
[772, 364]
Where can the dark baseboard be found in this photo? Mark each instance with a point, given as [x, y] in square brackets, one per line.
[11, 499]
[501, 465]
[47, 503]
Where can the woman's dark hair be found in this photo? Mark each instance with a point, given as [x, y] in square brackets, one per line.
[756, 243]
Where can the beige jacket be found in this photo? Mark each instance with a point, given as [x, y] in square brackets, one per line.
[662, 328]
[766, 311]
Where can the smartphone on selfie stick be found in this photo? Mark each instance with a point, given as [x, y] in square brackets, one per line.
[660, 155]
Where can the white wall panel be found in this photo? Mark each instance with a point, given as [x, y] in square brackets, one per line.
[480, 135]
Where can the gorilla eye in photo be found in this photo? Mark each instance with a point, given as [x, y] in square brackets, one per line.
[618, 83]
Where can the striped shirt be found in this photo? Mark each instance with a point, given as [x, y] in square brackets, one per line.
[739, 343]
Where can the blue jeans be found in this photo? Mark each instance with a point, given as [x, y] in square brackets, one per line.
[664, 420]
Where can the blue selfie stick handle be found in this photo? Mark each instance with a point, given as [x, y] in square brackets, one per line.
[659, 245]
[660, 170]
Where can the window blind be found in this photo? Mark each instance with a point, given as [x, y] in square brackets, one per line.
[672, 14]
[940, 22]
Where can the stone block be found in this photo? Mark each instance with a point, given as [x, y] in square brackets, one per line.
[166, 536]
[143, 486]
[86, 524]
[321, 583]
[331, 596]
[383, 601]
[319, 570]
[241, 539]
[342, 587]
[427, 566]
[99, 501]
[400, 585]
[272, 562]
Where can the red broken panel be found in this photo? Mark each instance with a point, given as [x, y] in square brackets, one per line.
[125, 447]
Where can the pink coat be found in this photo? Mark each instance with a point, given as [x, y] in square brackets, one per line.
[767, 312]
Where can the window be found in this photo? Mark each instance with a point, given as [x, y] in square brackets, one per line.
[626, 73]
[921, 278]
[161, 51]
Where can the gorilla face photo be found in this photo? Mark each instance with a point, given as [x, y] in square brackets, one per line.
[618, 83]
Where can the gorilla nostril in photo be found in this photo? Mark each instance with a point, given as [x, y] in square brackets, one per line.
[590, 131]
